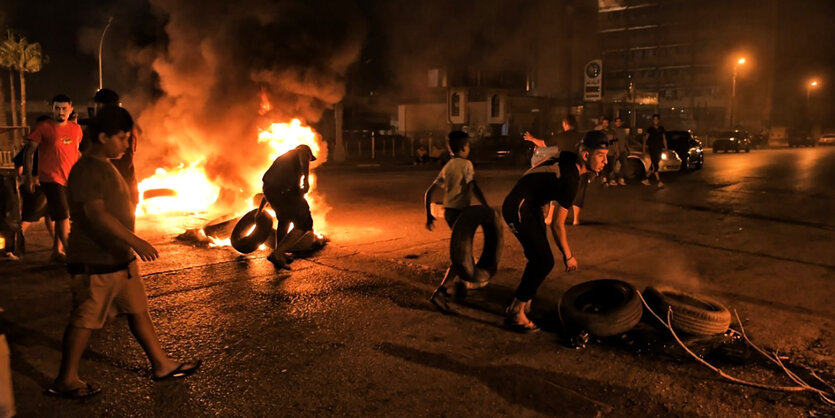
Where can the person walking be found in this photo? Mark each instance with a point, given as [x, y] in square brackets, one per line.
[655, 141]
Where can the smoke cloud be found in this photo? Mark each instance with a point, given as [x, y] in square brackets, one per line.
[219, 57]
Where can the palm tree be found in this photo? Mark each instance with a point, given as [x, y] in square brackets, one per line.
[8, 52]
[29, 60]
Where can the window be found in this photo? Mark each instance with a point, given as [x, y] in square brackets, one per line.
[455, 104]
[495, 106]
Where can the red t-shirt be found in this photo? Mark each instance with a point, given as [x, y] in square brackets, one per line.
[57, 150]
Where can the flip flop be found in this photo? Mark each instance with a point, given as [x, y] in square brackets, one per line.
[278, 263]
[439, 299]
[180, 372]
[78, 393]
[520, 328]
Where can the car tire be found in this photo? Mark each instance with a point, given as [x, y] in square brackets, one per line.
[715, 149]
[603, 307]
[221, 227]
[246, 243]
[747, 149]
[461, 244]
[692, 314]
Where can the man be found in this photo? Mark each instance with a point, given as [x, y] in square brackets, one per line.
[611, 173]
[655, 140]
[567, 140]
[57, 142]
[107, 97]
[555, 180]
[282, 191]
[621, 137]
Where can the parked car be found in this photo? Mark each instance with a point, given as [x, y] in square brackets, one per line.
[688, 148]
[800, 138]
[512, 149]
[732, 141]
[827, 139]
[637, 164]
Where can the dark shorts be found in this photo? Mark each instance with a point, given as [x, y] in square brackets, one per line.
[56, 201]
[290, 206]
[655, 158]
[451, 215]
[33, 205]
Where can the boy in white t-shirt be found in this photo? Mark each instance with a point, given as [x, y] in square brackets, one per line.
[458, 181]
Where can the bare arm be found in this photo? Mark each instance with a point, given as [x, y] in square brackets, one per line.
[111, 228]
[430, 220]
[478, 193]
[536, 141]
[561, 237]
[28, 162]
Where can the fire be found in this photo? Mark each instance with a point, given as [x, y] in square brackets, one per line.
[192, 191]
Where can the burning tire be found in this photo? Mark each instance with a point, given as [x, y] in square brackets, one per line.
[601, 307]
[152, 193]
[692, 314]
[461, 244]
[251, 231]
[221, 227]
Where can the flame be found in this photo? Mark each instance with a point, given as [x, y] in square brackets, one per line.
[194, 192]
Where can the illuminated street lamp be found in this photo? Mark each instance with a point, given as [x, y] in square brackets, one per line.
[101, 43]
[812, 84]
[740, 61]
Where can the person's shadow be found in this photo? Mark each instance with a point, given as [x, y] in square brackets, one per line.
[546, 392]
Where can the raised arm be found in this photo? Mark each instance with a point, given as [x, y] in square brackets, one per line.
[536, 141]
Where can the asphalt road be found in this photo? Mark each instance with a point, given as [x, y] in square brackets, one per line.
[350, 332]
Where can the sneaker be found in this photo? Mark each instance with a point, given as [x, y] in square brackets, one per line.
[603, 180]
[613, 183]
[660, 184]
[645, 182]
[621, 181]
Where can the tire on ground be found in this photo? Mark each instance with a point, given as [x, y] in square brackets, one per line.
[692, 314]
[461, 244]
[251, 231]
[602, 307]
[221, 227]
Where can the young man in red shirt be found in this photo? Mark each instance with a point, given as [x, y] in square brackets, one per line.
[57, 142]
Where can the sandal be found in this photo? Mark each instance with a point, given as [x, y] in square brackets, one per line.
[278, 262]
[440, 298]
[85, 391]
[522, 328]
[180, 372]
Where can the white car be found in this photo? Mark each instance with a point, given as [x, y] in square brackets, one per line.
[827, 139]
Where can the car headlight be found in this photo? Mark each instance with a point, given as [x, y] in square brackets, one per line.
[732, 139]
[663, 155]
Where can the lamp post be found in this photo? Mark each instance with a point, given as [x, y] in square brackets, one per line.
[101, 43]
[739, 62]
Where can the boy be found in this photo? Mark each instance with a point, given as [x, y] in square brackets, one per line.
[554, 180]
[457, 179]
[100, 258]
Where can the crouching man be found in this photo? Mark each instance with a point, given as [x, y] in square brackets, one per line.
[101, 258]
[285, 184]
[556, 179]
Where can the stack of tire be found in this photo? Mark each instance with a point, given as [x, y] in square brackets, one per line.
[609, 307]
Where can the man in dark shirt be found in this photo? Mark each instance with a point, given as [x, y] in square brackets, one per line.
[567, 140]
[282, 191]
[555, 180]
[655, 141]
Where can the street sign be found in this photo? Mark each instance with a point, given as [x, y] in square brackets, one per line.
[593, 85]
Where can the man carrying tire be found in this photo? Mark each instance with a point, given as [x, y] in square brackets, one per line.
[282, 191]
[555, 180]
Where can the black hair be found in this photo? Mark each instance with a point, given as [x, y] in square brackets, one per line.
[61, 98]
[106, 96]
[618, 118]
[656, 115]
[570, 120]
[606, 118]
[110, 121]
[457, 140]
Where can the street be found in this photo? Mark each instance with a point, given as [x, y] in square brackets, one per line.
[349, 331]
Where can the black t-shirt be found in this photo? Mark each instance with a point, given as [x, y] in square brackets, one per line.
[655, 137]
[21, 155]
[566, 141]
[555, 179]
[285, 172]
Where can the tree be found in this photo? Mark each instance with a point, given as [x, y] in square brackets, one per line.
[8, 51]
[18, 54]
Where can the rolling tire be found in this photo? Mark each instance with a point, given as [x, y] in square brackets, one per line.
[246, 244]
[461, 244]
[603, 307]
[221, 227]
[692, 314]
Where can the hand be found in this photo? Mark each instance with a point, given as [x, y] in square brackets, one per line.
[430, 222]
[30, 184]
[571, 264]
[305, 187]
[146, 251]
[527, 136]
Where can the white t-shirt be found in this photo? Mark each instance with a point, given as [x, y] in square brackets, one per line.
[455, 177]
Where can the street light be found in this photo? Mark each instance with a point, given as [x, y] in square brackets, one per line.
[101, 42]
[812, 84]
[740, 61]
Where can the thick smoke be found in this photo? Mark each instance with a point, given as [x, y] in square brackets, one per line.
[220, 56]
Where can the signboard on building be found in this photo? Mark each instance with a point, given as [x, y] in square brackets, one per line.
[593, 85]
